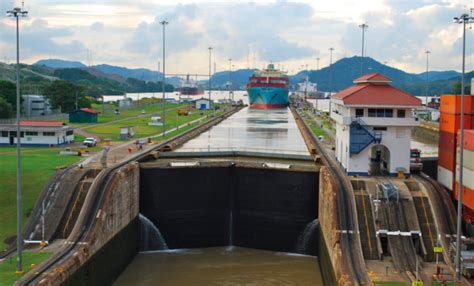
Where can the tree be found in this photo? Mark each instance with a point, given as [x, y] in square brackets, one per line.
[8, 92]
[62, 94]
[6, 110]
[457, 88]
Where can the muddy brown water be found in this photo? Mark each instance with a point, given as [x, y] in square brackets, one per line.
[221, 266]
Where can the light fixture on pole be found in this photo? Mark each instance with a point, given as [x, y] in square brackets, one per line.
[427, 77]
[163, 86]
[330, 69]
[364, 28]
[463, 19]
[230, 76]
[210, 51]
[17, 13]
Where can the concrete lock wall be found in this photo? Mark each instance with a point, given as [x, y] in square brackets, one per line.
[328, 218]
[219, 206]
[113, 240]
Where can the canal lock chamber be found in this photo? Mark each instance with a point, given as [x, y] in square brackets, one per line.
[232, 204]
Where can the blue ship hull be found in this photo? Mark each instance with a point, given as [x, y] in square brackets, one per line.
[267, 97]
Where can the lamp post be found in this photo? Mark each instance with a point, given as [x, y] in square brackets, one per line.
[17, 13]
[317, 63]
[427, 76]
[463, 19]
[210, 51]
[230, 76]
[164, 23]
[364, 28]
[330, 69]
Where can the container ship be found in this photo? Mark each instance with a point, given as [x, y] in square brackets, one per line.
[190, 87]
[268, 88]
[449, 153]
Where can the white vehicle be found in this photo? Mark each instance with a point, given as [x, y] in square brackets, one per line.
[90, 142]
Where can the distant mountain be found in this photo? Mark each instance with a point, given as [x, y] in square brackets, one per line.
[346, 70]
[57, 63]
[239, 78]
[141, 73]
[439, 75]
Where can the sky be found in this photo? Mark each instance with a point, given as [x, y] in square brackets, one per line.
[291, 34]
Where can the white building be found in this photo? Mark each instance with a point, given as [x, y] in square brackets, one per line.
[203, 103]
[373, 126]
[37, 133]
[35, 105]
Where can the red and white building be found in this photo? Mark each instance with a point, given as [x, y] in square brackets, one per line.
[37, 133]
[373, 126]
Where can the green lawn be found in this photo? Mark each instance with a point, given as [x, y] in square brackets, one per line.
[142, 129]
[37, 168]
[30, 260]
[124, 113]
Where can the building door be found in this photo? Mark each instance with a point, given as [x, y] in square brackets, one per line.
[12, 140]
[203, 106]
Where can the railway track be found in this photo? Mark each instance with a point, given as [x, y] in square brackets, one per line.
[443, 201]
[81, 232]
[347, 216]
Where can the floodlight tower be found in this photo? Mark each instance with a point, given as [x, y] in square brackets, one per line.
[17, 13]
[463, 19]
[364, 27]
[164, 23]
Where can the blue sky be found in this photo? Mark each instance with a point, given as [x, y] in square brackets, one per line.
[252, 33]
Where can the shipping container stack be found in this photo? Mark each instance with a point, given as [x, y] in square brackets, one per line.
[467, 180]
[449, 125]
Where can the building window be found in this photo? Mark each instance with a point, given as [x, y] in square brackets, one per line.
[69, 132]
[372, 112]
[13, 134]
[376, 128]
[4, 133]
[380, 112]
[401, 113]
[30, 133]
[359, 112]
[49, 133]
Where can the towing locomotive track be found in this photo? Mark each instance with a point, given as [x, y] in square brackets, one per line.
[347, 215]
[91, 208]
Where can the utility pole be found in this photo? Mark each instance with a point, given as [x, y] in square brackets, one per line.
[210, 51]
[427, 77]
[463, 19]
[163, 120]
[330, 69]
[17, 13]
[363, 27]
[317, 63]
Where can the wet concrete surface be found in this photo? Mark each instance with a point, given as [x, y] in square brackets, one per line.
[266, 131]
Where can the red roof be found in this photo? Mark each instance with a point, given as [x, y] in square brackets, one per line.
[373, 77]
[42, 123]
[89, 110]
[370, 93]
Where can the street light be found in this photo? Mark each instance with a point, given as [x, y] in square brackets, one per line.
[427, 75]
[17, 13]
[164, 23]
[330, 69]
[210, 51]
[317, 65]
[230, 76]
[364, 28]
[463, 19]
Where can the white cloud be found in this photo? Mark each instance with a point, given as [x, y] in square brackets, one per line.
[291, 33]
